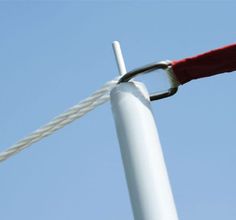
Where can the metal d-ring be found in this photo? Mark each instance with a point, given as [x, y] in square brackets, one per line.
[146, 69]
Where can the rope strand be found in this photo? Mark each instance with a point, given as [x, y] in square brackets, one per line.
[97, 98]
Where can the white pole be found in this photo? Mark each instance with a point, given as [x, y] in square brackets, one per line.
[144, 165]
[119, 57]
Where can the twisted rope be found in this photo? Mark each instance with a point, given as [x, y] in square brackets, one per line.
[97, 98]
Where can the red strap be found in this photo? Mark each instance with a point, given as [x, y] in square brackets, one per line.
[206, 64]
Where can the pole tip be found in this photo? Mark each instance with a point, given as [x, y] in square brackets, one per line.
[116, 43]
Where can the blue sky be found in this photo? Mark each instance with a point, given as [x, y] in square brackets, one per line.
[55, 54]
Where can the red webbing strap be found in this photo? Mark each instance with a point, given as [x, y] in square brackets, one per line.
[207, 64]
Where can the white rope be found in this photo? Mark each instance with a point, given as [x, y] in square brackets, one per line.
[77, 111]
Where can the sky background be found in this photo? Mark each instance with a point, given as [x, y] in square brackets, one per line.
[54, 54]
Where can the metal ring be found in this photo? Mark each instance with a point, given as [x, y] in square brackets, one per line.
[146, 69]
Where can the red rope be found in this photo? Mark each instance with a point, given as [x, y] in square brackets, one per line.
[207, 64]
